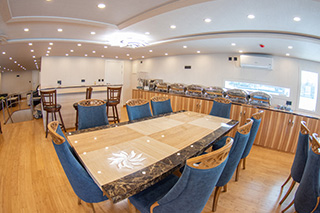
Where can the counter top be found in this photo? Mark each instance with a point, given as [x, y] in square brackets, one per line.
[80, 88]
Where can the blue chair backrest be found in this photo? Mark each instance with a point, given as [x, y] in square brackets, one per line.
[138, 112]
[82, 184]
[300, 157]
[220, 109]
[161, 107]
[305, 199]
[192, 191]
[92, 116]
[239, 144]
[252, 137]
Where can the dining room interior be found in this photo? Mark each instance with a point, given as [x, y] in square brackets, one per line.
[125, 106]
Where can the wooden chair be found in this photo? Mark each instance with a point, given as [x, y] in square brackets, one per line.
[256, 117]
[137, 109]
[75, 105]
[49, 103]
[307, 197]
[82, 184]
[113, 95]
[221, 107]
[240, 142]
[92, 113]
[299, 162]
[160, 105]
[190, 192]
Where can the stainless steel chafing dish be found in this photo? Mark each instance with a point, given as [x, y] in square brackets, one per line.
[260, 98]
[162, 87]
[238, 95]
[153, 82]
[177, 88]
[214, 92]
[195, 90]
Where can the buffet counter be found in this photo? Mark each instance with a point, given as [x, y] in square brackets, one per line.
[279, 129]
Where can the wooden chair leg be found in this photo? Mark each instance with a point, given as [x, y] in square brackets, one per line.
[237, 172]
[288, 192]
[91, 204]
[225, 188]
[64, 127]
[47, 117]
[117, 114]
[216, 195]
[244, 163]
[79, 201]
[285, 182]
[288, 206]
[132, 208]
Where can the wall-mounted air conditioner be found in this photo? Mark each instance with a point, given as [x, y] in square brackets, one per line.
[256, 61]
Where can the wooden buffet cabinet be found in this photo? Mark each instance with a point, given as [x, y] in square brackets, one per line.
[279, 130]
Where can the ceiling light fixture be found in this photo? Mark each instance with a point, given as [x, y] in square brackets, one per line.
[105, 47]
[116, 57]
[93, 33]
[30, 44]
[128, 54]
[173, 26]
[150, 51]
[3, 53]
[198, 51]
[166, 54]
[10, 58]
[79, 45]
[233, 44]
[147, 33]
[86, 55]
[184, 46]
[48, 51]
[93, 51]
[32, 51]
[208, 20]
[67, 54]
[26, 29]
[287, 54]
[72, 51]
[101, 5]
[142, 56]
[297, 19]
[240, 51]
[49, 48]
[60, 30]
[251, 16]
[51, 43]
[34, 56]
[290, 47]
[47, 54]
[102, 56]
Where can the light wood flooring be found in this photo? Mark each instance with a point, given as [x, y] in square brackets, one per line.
[32, 179]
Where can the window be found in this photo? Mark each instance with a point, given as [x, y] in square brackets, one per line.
[308, 90]
[272, 90]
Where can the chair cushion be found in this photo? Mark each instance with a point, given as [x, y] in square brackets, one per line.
[92, 116]
[161, 107]
[221, 109]
[138, 112]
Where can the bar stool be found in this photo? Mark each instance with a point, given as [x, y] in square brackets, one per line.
[75, 105]
[49, 103]
[113, 94]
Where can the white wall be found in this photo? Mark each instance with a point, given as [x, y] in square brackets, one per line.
[214, 69]
[10, 83]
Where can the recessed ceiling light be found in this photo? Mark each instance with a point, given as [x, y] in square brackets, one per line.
[251, 16]
[32, 51]
[47, 54]
[30, 44]
[72, 51]
[184, 46]
[150, 51]
[10, 58]
[15, 62]
[208, 20]
[35, 60]
[79, 45]
[166, 54]
[67, 54]
[86, 55]
[128, 54]
[34, 56]
[296, 18]
[18, 64]
[101, 5]
[198, 51]
[287, 54]
[105, 47]
[147, 33]
[290, 47]
[240, 51]
[51, 43]
[49, 48]
[26, 29]
[102, 56]
[116, 57]
[3, 53]
[48, 51]
[142, 56]
[130, 58]
[233, 44]
[93, 33]
[60, 30]
[93, 51]
[173, 26]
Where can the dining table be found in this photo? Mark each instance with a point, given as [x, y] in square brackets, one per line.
[126, 158]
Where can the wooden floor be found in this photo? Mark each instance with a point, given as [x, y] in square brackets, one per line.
[32, 179]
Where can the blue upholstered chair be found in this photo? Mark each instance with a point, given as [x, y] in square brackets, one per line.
[307, 196]
[239, 144]
[92, 113]
[256, 117]
[160, 105]
[299, 162]
[137, 109]
[190, 192]
[81, 182]
[221, 107]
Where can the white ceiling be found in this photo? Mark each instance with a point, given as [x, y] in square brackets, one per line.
[273, 26]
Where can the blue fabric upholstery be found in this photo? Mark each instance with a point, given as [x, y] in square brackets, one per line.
[309, 188]
[240, 142]
[220, 143]
[253, 134]
[138, 112]
[189, 193]
[92, 116]
[82, 184]
[300, 157]
[220, 109]
[161, 107]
